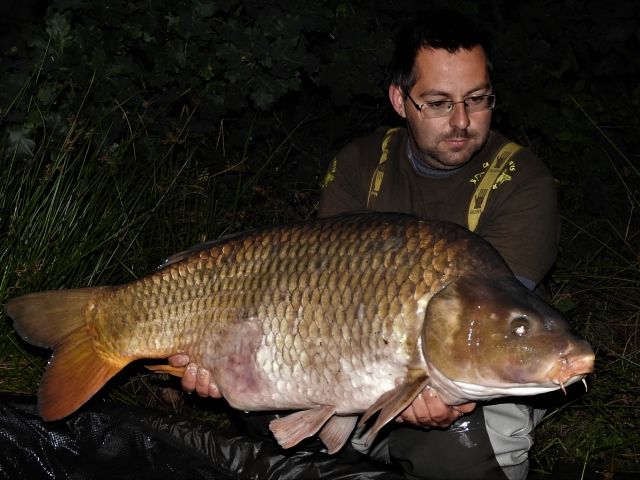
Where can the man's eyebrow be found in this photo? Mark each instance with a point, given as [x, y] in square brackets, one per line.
[442, 93]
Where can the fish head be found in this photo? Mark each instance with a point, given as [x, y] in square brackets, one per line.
[492, 337]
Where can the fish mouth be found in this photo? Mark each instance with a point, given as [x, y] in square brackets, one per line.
[570, 369]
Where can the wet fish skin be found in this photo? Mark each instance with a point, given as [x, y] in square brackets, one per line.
[328, 313]
[510, 343]
[237, 285]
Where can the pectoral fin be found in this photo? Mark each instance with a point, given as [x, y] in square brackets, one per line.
[392, 403]
[337, 431]
[294, 428]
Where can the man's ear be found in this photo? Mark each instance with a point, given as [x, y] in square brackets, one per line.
[397, 100]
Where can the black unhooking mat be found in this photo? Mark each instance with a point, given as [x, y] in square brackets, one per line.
[110, 441]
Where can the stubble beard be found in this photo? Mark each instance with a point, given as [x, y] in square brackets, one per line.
[444, 157]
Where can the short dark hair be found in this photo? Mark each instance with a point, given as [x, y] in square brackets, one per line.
[440, 28]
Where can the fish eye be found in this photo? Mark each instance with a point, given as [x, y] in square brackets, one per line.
[520, 326]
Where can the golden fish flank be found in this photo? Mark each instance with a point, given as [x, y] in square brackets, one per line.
[332, 317]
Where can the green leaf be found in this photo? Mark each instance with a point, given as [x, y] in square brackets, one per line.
[20, 143]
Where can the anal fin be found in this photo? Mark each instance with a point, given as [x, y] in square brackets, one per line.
[171, 370]
[294, 428]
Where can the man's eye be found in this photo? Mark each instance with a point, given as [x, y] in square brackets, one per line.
[438, 105]
[477, 99]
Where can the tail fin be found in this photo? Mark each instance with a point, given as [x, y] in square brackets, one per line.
[76, 371]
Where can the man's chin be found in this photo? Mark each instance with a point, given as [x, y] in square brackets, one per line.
[455, 155]
[454, 160]
[448, 158]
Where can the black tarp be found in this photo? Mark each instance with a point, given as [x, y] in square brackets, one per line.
[107, 441]
[124, 442]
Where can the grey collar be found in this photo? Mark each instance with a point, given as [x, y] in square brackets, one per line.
[425, 170]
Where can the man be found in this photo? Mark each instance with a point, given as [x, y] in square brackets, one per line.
[440, 84]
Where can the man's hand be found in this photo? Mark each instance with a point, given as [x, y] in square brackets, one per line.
[195, 379]
[428, 410]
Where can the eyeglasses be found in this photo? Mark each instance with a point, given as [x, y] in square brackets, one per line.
[442, 108]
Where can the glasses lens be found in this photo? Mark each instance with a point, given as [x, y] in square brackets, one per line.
[437, 109]
[443, 108]
[479, 103]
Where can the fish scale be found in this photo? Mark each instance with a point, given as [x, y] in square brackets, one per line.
[327, 299]
[336, 316]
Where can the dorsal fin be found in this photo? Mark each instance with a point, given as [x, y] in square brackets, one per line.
[178, 257]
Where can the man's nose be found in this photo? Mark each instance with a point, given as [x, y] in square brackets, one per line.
[459, 117]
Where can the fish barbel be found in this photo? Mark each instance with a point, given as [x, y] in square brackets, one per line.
[332, 318]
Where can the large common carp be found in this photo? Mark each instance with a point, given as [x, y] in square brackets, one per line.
[332, 318]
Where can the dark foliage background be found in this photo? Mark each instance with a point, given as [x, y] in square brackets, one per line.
[249, 75]
[201, 118]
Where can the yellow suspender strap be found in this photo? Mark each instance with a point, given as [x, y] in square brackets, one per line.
[487, 183]
[378, 173]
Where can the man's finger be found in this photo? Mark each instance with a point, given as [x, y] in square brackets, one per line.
[188, 381]
[202, 382]
[178, 360]
[213, 391]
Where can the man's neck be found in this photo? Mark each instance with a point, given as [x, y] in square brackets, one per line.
[424, 169]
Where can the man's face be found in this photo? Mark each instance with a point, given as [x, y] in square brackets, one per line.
[446, 142]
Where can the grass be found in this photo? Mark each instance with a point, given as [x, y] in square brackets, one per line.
[597, 284]
[77, 210]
